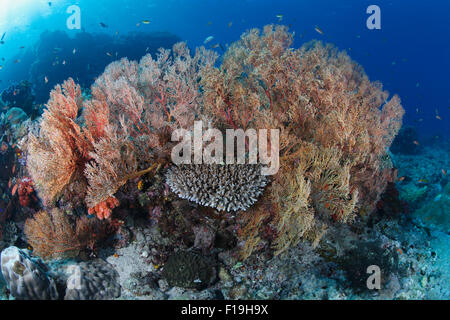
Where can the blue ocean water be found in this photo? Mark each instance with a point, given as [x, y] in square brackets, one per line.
[409, 55]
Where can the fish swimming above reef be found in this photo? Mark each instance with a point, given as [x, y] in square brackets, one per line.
[208, 39]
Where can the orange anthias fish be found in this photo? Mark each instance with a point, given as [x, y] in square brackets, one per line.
[444, 172]
[416, 142]
[14, 189]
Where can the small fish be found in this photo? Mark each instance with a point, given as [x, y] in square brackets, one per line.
[401, 179]
[140, 185]
[45, 79]
[1, 67]
[74, 51]
[444, 172]
[103, 25]
[208, 39]
[116, 255]
[230, 24]
[109, 54]
[145, 21]
[416, 142]
[22, 47]
[327, 205]
[138, 24]
[49, 4]
[423, 180]
[64, 62]
[17, 61]
[3, 36]
[318, 30]
[279, 17]
[215, 46]
[438, 117]
[14, 189]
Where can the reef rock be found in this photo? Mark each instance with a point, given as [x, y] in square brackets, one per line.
[189, 270]
[27, 277]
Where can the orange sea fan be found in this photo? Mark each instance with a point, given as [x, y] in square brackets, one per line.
[332, 119]
[57, 155]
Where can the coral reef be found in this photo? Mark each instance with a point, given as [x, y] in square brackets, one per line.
[356, 260]
[57, 157]
[25, 190]
[19, 96]
[27, 277]
[93, 280]
[319, 99]
[15, 116]
[435, 213]
[228, 187]
[189, 270]
[52, 235]
[116, 139]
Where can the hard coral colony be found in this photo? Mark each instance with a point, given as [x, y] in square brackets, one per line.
[335, 127]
